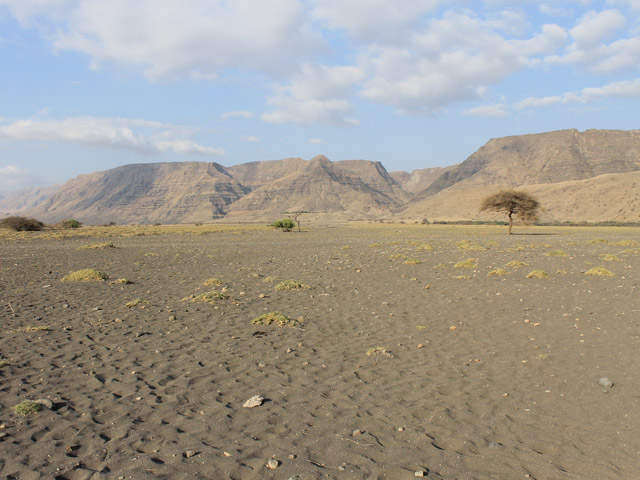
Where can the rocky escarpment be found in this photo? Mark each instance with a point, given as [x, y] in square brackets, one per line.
[323, 186]
[360, 189]
[146, 193]
[551, 157]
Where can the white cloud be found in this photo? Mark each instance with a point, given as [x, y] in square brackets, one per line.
[554, 11]
[190, 38]
[307, 112]
[590, 50]
[236, 114]
[138, 135]
[14, 178]
[316, 94]
[623, 89]
[250, 139]
[495, 111]
[626, 89]
[594, 28]
[453, 59]
[372, 20]
[316, 141]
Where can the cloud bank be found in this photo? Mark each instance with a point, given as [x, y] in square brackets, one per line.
[316, 60]
[141, 136]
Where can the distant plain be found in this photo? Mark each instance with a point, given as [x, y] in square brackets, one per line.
[417, 348]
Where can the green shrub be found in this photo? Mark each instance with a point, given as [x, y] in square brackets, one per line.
[70, 223]
[286, 224]
[27, 407]
[22, 224]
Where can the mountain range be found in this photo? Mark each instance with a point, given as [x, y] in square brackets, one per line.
[577, 176]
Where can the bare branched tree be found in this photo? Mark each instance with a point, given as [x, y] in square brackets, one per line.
[513, 203]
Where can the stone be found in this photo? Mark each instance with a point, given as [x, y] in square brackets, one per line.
[254, 401]
[606, 382]
[273, 464]
[45, 402]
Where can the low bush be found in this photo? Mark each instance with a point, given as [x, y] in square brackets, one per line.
[286, 224]
[22, 224]
[27, 407]
[70, 223]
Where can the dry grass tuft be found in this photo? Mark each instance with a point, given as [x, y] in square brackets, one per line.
[538, 274]
[208, 297]
[290, 285]
[276, 318]
[469, 245]
[136, 302]
[599, 271]
[86, 275]
[375, 351]
[412, 261]
[556, 253]
[95, 246]
[212, 282]
[517, 264]
[468, 263]
[498, 272]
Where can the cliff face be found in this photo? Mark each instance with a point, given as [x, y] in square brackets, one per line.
[421, 179]
[542, 158]
[146, 193]
[597, 169]
[323, 186]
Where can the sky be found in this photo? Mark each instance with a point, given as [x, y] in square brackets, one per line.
[88, 85]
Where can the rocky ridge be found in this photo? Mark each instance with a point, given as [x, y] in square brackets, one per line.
[578, 176]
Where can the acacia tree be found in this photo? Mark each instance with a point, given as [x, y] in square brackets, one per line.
[513, 203]
[296, 216]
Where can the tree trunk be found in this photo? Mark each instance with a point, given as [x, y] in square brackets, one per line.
[510, 223]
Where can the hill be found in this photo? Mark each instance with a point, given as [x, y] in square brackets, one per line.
[577, 176]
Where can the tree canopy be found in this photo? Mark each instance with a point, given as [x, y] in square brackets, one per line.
[513, 203]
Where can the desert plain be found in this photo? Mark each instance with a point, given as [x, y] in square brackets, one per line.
[413, 350]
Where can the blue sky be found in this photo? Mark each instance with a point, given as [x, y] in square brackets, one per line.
[88, 85]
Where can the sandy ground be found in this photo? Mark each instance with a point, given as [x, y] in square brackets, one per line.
[484, 376]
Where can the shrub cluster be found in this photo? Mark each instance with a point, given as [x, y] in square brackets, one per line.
[70, 223]
[286, 224]
[22, 224]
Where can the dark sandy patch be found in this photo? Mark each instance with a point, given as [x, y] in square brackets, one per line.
[486, 376]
